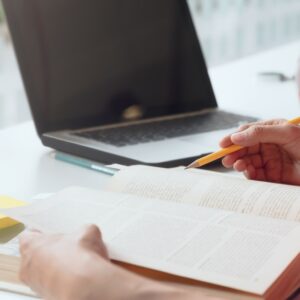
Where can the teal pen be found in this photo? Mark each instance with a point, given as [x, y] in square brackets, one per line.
[85, 163]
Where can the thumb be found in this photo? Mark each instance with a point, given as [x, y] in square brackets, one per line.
[275, 134]
[89, 234]
[90, 238]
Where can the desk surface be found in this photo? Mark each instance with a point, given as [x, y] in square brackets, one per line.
[27, 167]
[239, 88]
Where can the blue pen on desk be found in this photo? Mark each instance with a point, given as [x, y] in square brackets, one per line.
[85, 163]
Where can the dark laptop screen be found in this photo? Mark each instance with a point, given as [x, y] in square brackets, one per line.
[94, 62]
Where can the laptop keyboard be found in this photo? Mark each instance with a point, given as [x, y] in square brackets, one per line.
[160, 130]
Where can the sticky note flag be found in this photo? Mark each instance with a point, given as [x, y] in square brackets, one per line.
[8, 202]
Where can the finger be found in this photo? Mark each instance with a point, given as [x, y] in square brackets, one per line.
[226, 162]
[271, 151]
[267, 122]
[250, 166]
[225, 142]
[247, 168]
[260, 175]
[256, 161]
[240, 165]
[230, 159]
[273, 171]
[254, 149]
[250, 172]
[277, 134]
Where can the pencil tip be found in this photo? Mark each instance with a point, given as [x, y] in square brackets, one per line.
[192, 165]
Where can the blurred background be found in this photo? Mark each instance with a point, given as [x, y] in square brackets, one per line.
[228, 30]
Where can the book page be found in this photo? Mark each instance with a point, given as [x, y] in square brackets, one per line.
[243, 252]
[210, 189]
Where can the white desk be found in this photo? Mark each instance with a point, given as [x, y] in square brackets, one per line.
[239, 88]
[28, 169]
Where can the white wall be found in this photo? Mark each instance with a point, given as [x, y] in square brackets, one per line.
[230, 29]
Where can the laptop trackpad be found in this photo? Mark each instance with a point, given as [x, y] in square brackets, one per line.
[209, 139]
[177, 148]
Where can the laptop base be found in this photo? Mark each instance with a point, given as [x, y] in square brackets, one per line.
[108, 158]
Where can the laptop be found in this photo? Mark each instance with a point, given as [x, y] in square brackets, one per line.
[117, 81]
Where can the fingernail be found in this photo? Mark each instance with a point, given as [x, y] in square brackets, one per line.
[237, 137]
[246, 173]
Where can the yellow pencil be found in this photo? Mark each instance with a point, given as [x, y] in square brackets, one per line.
[223, 152]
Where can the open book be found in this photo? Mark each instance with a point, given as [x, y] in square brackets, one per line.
[227, 236]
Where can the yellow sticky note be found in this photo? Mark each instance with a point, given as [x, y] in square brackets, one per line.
[8, 202]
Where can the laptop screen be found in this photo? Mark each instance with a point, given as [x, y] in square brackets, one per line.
[96, 62]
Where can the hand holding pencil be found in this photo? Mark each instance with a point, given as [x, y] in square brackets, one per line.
[268, 151]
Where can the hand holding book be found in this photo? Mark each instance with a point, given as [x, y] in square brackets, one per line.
[78, 267]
